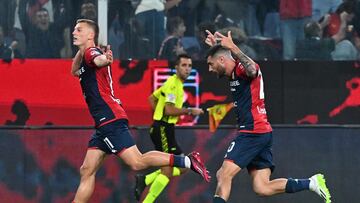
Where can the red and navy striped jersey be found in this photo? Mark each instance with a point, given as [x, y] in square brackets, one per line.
[248, 95]
[97, 87]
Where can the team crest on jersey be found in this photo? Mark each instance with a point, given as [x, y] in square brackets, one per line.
[92, 53]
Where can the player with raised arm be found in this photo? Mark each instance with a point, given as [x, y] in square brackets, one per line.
[252, 148]
[112, 136]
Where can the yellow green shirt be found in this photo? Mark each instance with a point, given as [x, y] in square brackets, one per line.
[170, 92]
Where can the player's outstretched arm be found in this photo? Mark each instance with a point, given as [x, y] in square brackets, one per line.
[247, 62]
[75, 66]
[104, 59]
[171, 110]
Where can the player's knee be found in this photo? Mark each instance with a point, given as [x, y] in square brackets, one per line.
[137, 166]
[85, 171]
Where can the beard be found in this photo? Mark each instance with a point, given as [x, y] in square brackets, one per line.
[221, 72]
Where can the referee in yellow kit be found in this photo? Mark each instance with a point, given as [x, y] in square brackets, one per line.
[167, 103]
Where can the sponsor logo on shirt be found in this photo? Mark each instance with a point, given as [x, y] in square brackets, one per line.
[81, 70]
[261, 110]
[234, 83]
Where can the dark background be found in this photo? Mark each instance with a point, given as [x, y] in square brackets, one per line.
[41, 165]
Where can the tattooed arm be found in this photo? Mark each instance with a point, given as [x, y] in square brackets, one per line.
[247, 62]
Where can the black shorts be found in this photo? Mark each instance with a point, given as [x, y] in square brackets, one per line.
[251, 151]
[163, 136]
[112, 138]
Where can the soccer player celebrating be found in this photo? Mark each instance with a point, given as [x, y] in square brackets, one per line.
[251, 149]
[167, 102]
[112, 136]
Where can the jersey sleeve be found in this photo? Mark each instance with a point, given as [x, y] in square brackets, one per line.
[90, 55]
[169, 92]
[157, 93]
[240, 70]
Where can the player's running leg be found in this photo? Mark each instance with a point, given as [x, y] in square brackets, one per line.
[92, 163]
[159, 184]
[224, 179]
[263, 186]
[138, 161]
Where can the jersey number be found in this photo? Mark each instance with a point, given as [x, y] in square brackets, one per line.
[231, 147]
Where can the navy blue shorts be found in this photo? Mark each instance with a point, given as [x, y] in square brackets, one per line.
[251, 151]
[112, 138]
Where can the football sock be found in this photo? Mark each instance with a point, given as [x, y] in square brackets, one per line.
[156, 188]
[176, 172]
[149, 178]
[180, 161]
[218, 199]
[296, 185]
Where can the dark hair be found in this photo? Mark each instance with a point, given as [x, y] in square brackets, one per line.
[214, 50]
[312, 29]
[238, 35]
[93, 26]
[173, 24]
[180, 56]
[347, 6]
[206, 25]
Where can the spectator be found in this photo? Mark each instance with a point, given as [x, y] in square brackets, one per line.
[11, 24]
[171, 46]
[88, 11]
[322, 7]
[201, 36]
[314, 47]
[335, 22]
[150, 15]
[8, 51]
[184, 10]
[327, 48]
[345, 49]
[293, 14]
[44, 39]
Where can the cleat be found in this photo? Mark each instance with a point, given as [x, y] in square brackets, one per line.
[198, 167]
[320, 187]
[139, 185]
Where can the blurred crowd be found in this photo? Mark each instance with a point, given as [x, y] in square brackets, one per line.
[148, 29]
